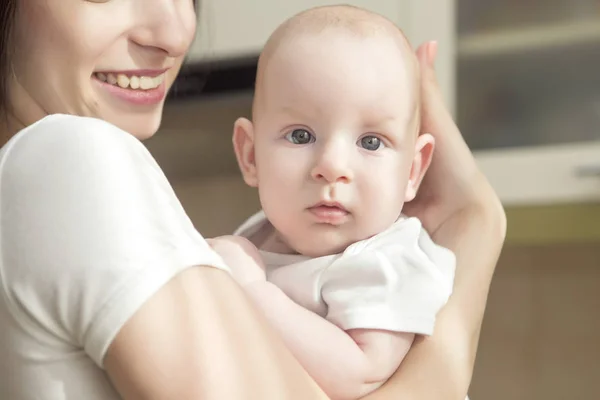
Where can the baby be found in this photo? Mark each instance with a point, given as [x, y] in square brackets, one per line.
[334, 150]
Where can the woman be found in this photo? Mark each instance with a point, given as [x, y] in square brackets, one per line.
[99, 298]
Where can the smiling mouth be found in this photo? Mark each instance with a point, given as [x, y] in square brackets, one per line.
[131, 81]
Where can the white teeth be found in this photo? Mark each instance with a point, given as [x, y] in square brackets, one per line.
[132, 82]
[146, 82]
[123, 81]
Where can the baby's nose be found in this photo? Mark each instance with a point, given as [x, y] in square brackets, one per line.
[332, 167]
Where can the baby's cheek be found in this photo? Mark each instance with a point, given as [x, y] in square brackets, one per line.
[282, 206]
[277, 168]
[381, 206]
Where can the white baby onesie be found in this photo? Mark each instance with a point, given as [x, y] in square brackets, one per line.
[397, 280]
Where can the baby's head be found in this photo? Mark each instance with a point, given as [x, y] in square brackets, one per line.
[333, 146]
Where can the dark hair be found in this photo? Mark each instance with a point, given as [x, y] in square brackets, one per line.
[8, 12]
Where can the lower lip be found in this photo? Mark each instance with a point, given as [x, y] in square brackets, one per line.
[136, 96]
[329, 215]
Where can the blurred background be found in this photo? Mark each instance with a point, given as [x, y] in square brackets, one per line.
[522, 78]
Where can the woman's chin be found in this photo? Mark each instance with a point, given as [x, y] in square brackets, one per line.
[143, 126]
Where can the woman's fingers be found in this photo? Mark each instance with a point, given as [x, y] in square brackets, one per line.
[436, 117]
[426, 54]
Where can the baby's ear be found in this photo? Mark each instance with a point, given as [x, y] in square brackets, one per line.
[423, 154]
[243, 145]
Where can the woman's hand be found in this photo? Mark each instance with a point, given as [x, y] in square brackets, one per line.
[241, 256]
[453, 183]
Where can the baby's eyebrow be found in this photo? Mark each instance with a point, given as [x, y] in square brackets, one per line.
[295, 111]
[378, 119]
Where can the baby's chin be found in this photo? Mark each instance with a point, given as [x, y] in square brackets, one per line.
[321, 244]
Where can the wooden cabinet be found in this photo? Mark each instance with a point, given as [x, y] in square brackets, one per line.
[528, 96]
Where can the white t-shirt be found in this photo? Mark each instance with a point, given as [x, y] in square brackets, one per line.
[397, 280]
[90, 229]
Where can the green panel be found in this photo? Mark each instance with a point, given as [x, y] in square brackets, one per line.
[572, 223]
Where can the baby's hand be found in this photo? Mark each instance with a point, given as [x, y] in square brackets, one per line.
[241, 256]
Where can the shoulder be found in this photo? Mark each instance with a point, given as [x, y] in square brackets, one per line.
[70, 128]
[406, 242]
[66, 139]
[396, 280]
[69, 158]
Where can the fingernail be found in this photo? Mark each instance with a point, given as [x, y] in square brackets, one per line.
[432, 52]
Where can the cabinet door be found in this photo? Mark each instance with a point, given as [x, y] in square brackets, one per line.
[238, 28]
[544, 175]
[528, 96]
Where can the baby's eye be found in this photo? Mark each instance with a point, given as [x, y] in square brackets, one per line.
[300, 136]
[371, 143]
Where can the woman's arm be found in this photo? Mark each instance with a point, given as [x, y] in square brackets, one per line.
[199, 338]
[461, 210]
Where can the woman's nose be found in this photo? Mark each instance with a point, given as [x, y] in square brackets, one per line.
[167, 25]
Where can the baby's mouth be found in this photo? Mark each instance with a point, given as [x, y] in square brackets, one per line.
[329, 213]
[332, 206]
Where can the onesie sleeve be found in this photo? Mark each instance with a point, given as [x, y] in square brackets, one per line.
[395, 281]
[90, 230]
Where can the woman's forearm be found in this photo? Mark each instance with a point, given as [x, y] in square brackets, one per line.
[440, 367]
[476, 237]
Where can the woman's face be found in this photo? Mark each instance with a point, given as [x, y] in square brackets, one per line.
[111, 59]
